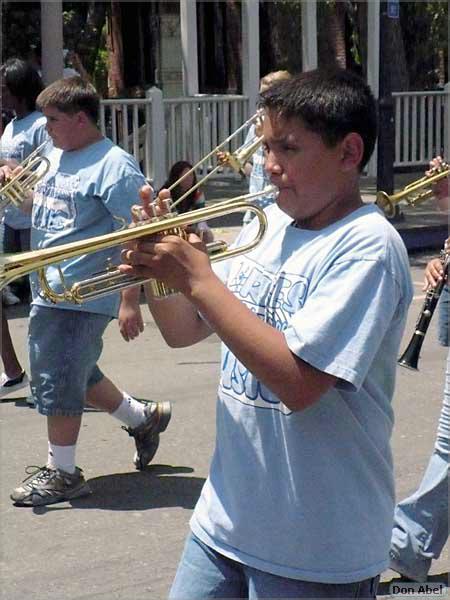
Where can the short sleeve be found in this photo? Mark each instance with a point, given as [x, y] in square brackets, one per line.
[345, 318]
[123, 192]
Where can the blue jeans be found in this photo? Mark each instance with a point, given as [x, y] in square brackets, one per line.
[204, 573]
[443, 317]
[421, 521]
[64, 347]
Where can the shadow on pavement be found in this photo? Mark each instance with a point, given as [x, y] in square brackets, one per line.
[158, 486]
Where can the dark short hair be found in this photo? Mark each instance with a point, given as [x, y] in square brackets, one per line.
[22, 80]
[329, 102]
[175, 174]
[71, 95]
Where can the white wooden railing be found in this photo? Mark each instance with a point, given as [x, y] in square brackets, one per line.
[419, 126]
[159, 132]
[127, 122]
[183, 129]
[195, 126]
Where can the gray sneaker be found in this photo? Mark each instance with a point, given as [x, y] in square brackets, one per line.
[146, 435]
[47, 486]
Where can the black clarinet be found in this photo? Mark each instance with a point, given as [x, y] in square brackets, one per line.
[410, 357]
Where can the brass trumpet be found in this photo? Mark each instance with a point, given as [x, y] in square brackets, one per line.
[111, 280]
[236, 160]
[414, 193]
[33, 168]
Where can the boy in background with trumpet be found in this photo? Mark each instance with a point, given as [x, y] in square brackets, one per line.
[90, 183]
[253, 168]
[258, 178]
[300, 496]
[420, 529]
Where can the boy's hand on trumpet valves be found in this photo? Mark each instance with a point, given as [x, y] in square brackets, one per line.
[181, 264]
[440, 188]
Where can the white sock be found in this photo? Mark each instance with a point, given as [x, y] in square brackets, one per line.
[130, 411]
[61, 457]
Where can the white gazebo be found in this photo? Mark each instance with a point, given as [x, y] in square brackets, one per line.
[52, 43]
[52, 55]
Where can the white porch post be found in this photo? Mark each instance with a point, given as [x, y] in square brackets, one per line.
[158, 138]
[250, 52]
[447, 107]
[309, 36]
[373, 64]
[447, 122]
[188, 23]
[52, 40]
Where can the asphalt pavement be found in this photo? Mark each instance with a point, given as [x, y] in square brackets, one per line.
[123, 542]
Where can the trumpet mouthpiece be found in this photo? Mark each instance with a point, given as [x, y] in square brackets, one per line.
[271, 190]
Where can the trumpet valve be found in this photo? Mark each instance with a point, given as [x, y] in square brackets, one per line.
[159, 289]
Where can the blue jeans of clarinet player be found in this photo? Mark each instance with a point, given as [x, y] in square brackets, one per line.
[421, 521]
[203, 573]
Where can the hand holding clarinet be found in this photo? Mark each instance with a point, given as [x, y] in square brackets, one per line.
[436, 274]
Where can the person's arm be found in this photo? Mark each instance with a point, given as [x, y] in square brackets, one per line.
[77, 64]
[434, 271]
[441, 189]
[130, 316]
[259, 346]
[177, 319]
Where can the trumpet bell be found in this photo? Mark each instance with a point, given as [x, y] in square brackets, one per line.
[384, 202]
[413, 194]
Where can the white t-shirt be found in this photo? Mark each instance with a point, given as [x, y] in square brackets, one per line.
[20, 138]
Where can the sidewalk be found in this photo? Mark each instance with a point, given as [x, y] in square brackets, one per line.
[421, 227]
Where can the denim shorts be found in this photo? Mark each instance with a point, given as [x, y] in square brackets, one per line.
[444, 317]
[203, 573]
[64, 347]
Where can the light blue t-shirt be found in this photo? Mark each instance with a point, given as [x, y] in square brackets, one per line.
[20, 138]
[78, 199]
[259, 178]
[310, 494]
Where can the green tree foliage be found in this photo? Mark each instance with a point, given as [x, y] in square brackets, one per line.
[21, 28]
[425, 36]
[420, 37]
[84, 32]
[281, 35]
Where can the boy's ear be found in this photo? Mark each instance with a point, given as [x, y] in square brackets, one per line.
[352, 150]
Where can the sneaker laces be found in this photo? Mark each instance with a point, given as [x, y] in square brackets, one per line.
[38, 474]
[132, 430]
